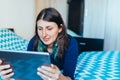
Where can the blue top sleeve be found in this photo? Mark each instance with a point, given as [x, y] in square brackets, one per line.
[70, 58]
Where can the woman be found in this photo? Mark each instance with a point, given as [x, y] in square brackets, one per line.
[51, 36]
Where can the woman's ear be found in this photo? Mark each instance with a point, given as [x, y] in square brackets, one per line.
[61, 25]
[60, 29]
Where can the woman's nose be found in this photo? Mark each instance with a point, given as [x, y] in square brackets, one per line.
[44, 33]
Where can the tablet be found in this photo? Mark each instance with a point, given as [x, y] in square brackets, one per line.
[25, 63]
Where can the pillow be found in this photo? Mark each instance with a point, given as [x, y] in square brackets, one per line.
[11, 41]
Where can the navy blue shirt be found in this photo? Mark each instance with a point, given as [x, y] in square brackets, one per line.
[67, 65]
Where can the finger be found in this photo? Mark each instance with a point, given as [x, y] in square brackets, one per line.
[6, 77]
[52, 69]
[44, 77]
[0, 61]
[46, 73]
[47, 68]
[53, 66]
[49, 74]
[2, 67]
[5, 72]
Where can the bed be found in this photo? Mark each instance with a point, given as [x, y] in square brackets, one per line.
[9, 40]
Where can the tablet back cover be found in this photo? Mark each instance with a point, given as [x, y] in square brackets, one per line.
[25, 63]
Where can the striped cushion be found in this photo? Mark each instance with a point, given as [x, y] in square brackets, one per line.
[102, 65]
[9, 40]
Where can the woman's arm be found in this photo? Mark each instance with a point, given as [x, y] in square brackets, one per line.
[71, 58]
[52, 72]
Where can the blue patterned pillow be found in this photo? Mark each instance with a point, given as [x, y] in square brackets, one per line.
[11, 41]
[102, 65]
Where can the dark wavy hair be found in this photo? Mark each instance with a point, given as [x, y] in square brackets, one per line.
[52, 15]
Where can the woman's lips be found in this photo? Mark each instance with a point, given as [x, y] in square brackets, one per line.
[46, 39]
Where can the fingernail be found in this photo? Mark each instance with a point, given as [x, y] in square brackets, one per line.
[38, 68]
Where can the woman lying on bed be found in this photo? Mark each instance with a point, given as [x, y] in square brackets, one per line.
[51, 36]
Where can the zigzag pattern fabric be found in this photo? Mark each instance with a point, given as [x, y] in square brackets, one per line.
[101, 65]
[11, 41]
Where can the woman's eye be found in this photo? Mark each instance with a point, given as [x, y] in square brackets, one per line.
[39, 28]
[50, 28]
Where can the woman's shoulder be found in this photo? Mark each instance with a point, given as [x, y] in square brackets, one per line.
[72, 43]
[31, 43]
[72, 40]
[32, 39]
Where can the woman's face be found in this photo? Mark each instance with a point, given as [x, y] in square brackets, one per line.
[48, 31]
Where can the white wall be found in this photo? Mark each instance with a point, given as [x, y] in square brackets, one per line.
[60, 5]
[95, 18]
[102, 20]
[112, 29]
[18, 14]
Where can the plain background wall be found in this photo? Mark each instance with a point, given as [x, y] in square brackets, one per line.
[21, 14]
[60, 5]
[95, 18]
[18, 14]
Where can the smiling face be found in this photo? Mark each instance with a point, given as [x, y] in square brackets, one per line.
[48, 32]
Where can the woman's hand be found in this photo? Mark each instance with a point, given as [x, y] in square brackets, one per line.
[5, 71]
[51, 73]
